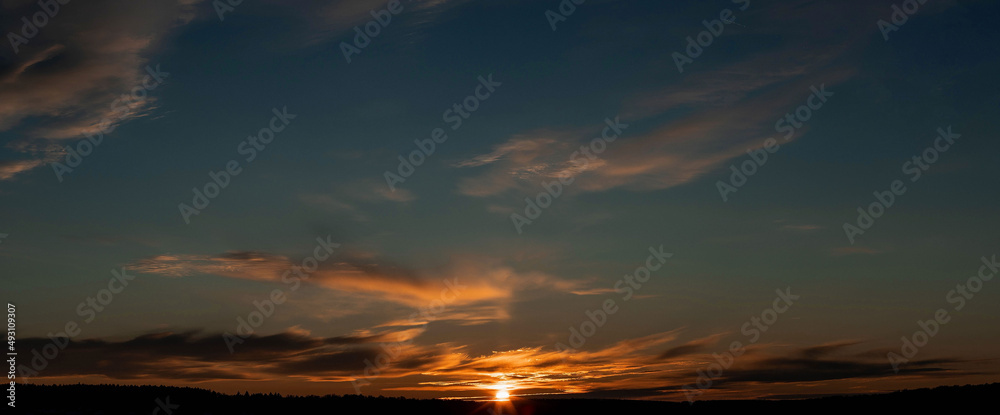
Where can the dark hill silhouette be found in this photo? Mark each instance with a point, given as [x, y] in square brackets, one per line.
[115, 399]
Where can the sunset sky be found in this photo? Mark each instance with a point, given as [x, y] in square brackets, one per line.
[440, 274]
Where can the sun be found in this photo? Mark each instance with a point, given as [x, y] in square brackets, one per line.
[503, 395]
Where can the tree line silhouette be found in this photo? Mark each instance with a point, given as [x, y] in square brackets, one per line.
[166, 400]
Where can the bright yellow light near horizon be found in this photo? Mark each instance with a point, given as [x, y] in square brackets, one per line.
[503, 395]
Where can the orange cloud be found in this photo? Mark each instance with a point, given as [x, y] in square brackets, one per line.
[471, 290]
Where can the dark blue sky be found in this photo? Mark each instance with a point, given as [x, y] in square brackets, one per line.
[656, 184]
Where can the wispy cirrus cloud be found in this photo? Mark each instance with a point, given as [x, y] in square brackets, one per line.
[515, 162]
[722, 114]
[693, 126]
[481, 288]
[62, 83]
[10, 168]
[234, 264]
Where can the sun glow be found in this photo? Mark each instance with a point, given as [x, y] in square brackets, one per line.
[503, 394]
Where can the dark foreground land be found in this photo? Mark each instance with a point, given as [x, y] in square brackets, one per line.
[161, 400]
